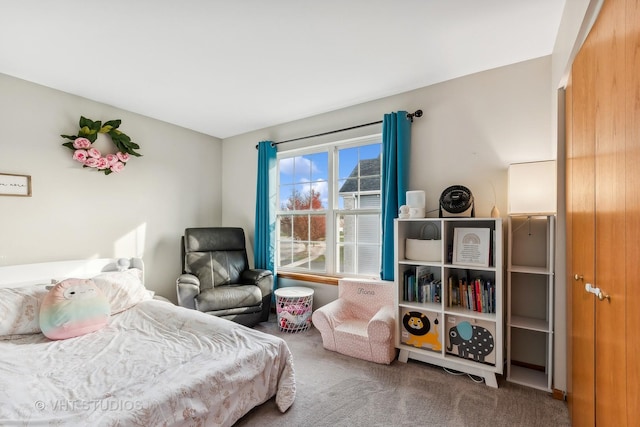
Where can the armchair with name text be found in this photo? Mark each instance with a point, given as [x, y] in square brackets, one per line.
[361, 322]
[217, 279]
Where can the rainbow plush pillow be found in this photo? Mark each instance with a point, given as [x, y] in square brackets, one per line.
[72, 308]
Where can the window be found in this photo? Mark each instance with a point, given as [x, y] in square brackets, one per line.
[329, 208]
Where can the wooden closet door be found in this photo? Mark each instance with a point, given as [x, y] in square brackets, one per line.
[632, 242]
[603, 202]
[580, 169]
[610, 357]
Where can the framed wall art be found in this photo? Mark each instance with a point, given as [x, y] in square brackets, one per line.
[15, 185]
[471, 246]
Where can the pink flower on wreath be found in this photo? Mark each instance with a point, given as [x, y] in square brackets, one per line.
[94, 152]
[117, 167]
[81, 143]
[123, 157]
[91, 162]
[80, 155]
[112, 159]
[102, 163]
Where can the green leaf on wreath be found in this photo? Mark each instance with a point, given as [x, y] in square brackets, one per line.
[69, 145]
[90, 134]
[105, 129]
[87, 131]
[84, 122]
[71, 137]
[95, 126]
[113, 123]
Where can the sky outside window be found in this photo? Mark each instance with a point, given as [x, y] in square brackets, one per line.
[303, 174]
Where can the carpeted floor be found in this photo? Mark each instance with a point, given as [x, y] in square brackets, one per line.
[336, 390]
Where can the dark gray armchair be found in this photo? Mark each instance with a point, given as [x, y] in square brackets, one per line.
[217, 279]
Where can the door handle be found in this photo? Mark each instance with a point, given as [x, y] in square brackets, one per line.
[597, 292]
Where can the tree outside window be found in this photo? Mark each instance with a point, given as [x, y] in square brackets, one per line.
[335, 234]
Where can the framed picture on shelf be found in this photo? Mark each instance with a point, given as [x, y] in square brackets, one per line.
[15, 185]
[471, 246]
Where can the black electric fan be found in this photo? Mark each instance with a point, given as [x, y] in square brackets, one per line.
[456, 200]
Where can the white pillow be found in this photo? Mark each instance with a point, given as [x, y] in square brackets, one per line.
[19, 308]
[123, 289]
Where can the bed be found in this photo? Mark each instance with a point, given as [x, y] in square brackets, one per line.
[153, 364]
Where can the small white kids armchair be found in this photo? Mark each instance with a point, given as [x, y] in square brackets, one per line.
[361, 322]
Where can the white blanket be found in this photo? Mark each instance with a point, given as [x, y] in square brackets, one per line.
[155, 364]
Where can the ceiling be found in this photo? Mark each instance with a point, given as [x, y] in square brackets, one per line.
[224, 68]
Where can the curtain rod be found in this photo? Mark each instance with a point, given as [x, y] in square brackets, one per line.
[410, 116]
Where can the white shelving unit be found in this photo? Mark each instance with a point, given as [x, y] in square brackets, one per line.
[530, 288]
[455, 335]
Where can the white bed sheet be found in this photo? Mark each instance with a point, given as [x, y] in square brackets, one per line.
[155, 364]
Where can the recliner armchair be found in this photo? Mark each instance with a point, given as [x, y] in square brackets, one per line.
[216, 278]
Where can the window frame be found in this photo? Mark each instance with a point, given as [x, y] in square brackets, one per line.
[331, 212]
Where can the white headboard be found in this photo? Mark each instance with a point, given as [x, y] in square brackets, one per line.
[44, 273]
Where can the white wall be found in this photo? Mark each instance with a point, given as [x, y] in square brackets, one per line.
[473, 127]
[77, 213]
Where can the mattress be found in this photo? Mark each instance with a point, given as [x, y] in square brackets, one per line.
[154, 364]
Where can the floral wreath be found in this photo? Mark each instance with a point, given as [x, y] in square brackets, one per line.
[91, 157]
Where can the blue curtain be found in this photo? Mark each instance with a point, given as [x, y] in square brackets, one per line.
[264, 238]
[396, 144]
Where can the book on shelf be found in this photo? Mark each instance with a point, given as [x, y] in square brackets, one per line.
[472, 294]
[424, 277]
[408, 278]
[419, 285]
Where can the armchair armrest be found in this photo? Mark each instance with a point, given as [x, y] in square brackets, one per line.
[254, 275]
[188, 288]
[325, 320]
[327, 317]
[382, 324]
[261, 278]
[264, 280]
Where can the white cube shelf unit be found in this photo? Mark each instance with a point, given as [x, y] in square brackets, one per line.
[450, 313]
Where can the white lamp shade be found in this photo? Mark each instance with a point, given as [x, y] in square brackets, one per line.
[532, 188]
